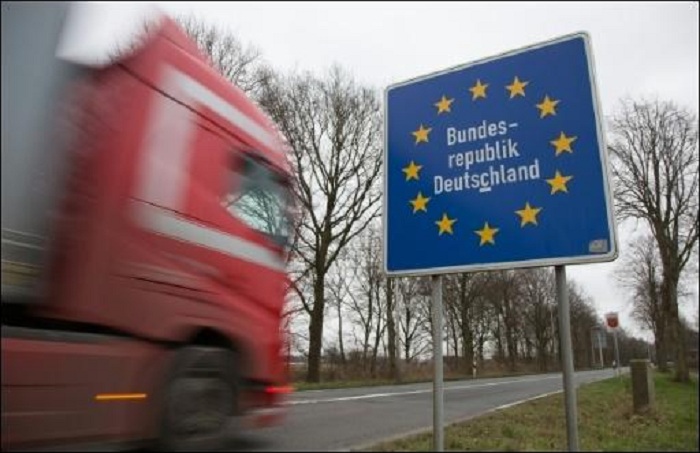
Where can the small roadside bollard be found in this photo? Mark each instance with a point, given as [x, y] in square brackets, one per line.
[642, 385]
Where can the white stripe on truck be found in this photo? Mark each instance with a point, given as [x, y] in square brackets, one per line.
[168, 223]
[167, 146]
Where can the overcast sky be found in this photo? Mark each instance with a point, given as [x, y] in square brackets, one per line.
[639, 49]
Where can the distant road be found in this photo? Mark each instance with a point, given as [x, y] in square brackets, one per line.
[344, 419]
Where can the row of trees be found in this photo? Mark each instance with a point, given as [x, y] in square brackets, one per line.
[508, 316]
[511, 316]
[333, 126]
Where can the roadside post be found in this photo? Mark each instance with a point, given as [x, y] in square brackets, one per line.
[438, 383]
[498, 164]
[599, 342]
[613, 322]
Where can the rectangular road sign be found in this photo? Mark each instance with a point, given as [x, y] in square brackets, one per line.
[498, 164]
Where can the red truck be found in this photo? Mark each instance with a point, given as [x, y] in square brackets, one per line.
[143, 246]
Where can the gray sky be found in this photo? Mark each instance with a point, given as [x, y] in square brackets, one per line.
[640, 49]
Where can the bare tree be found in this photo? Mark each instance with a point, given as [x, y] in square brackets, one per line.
[375, 285]
[366, 300]
[462, 292]
[451, 325]
[340, 289]
[483, 317]
[583, 319]
[640, 272]
[539, 297]
[655, 164]
[333, 128]
[412, 323]
[394, 370]
[503, 291]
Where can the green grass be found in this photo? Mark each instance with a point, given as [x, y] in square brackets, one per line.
[605, 419]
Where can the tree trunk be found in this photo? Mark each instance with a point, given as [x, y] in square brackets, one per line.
[467, 351]
[675, 333]
[499, 342]
[467, 343]
[340, 335]
[480, 350]
[378, 334]
[554, 339]
[367, 332]
[660, 345]
[511, 341]
[455, 342]
[467, 334]
[390, 308]
[542, 351]
[408, 339]
[313, 373]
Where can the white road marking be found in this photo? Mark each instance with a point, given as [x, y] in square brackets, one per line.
[515, 403]
[414, 392]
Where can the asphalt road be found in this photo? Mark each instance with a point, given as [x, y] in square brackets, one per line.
[345, 419]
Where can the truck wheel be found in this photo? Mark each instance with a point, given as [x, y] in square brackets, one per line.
[200, 399]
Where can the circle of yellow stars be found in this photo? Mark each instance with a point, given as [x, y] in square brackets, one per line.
[528, 214]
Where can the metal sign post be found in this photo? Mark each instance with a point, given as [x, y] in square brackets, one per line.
[567, 358]
[498, 164]
[438, 444]
[617, 354]
[599, 342]
[613, 323]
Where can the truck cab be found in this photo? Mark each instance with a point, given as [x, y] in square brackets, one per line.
[144, 246]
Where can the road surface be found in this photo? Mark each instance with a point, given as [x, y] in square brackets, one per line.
[346, 419]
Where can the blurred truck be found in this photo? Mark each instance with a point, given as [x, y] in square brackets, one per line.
[145, 215]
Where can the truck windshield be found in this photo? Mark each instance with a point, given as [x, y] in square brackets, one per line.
[259, 197]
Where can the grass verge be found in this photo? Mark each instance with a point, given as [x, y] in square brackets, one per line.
[605, 419]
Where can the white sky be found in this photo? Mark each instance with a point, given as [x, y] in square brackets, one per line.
[640, 49]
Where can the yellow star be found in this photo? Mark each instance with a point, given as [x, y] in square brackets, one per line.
[547, 107]
[422, 134]
[412, 171]
[563, 143]
[478, 90]
[558, 183]
[419, 203]
[445, 224]
[444, 105]
[486, 234]
[516, 88]
[528, 215]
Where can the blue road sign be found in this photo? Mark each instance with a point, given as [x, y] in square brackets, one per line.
[498, 164]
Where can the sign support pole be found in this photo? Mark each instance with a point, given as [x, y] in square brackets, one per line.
[567, 358]
[438, 444]
[617, 354]
[600, 348]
